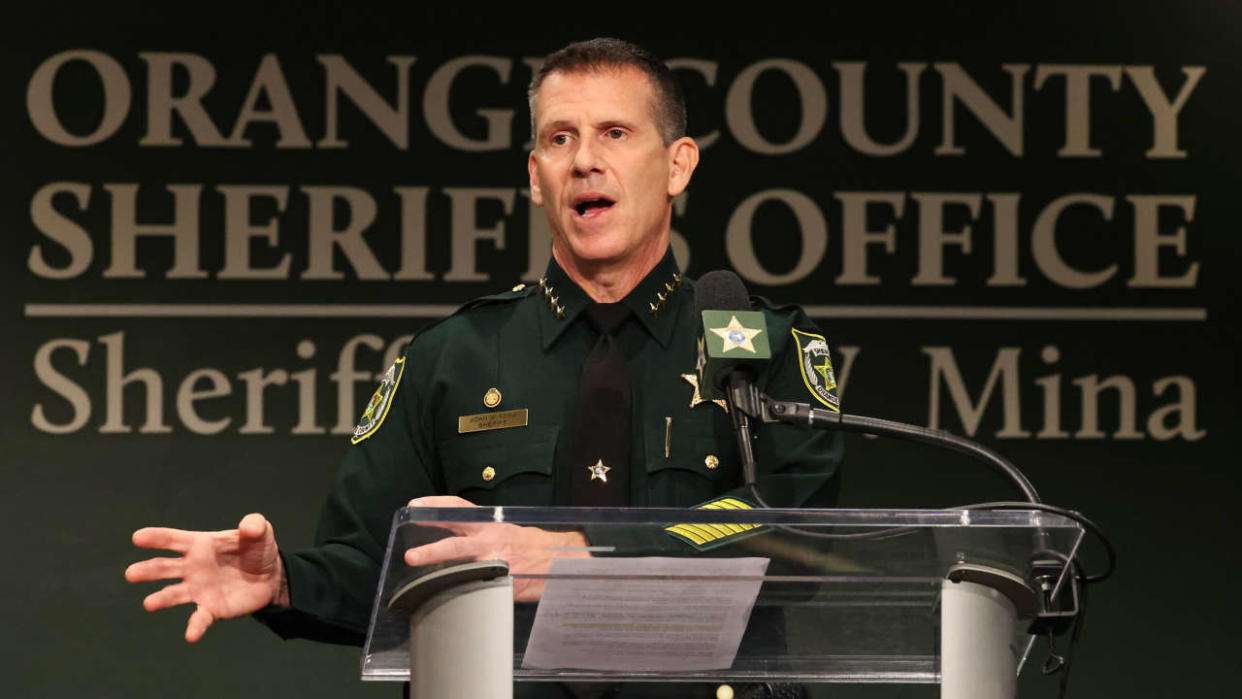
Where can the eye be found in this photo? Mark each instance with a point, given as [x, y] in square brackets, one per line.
[615, 134]
[559, 139]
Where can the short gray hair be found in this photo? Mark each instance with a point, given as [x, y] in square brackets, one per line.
[605, 54]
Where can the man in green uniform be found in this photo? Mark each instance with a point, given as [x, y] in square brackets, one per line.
[482, 407]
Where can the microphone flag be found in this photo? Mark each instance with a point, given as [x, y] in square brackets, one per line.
[730, 340]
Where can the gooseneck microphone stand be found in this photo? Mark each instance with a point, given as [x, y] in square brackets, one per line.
[979, 605]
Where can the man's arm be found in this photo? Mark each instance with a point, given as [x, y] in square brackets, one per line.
[798, 467]
[324, 593]
[332, 585]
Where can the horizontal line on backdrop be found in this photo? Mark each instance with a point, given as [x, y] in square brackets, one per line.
[334, 310]
[235, 310]
[1006, 313]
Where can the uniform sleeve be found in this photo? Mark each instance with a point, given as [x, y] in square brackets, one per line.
[332, 586]
[799, 467]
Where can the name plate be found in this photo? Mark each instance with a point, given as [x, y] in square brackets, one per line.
[492, 421]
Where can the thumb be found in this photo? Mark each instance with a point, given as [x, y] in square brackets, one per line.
[253, 526]
[197, 626]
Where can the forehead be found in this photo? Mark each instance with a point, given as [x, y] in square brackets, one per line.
[598, 94]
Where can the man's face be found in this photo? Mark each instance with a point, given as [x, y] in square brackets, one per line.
[602, 170]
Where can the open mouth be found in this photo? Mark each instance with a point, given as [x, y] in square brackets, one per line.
[590, 207]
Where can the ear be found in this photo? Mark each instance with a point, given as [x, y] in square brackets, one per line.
[683, 158]
[536, 192]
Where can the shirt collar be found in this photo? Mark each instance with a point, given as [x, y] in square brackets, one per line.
[655, 301]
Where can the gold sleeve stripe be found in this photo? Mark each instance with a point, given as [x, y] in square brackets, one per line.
[706, 531]
[681, 530]
[701, 534]
[726, 504]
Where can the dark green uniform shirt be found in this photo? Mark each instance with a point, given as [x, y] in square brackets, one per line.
[529, 346]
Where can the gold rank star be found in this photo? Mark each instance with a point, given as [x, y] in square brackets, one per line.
[693, 380]
[736, 336]
[599, 470]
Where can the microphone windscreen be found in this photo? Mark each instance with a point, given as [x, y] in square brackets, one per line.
[720, 290]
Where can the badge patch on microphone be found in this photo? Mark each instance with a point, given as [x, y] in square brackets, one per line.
[738, 336]
[816, 367]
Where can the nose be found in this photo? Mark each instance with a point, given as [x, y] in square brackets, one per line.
[586, 159]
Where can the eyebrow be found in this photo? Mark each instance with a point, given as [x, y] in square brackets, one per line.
[604, 125]
[556, 126]
[599, 126]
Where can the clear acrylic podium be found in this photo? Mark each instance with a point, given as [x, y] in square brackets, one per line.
[848, 596]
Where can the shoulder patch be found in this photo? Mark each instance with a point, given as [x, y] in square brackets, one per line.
[381, 401]
[709, 536]
[816, 367]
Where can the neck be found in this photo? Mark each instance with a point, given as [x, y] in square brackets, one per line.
[612, 280]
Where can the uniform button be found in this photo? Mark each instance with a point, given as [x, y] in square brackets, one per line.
[724, 691]
[519, 287]
[712, 462]
[489, 473]
[491, 399]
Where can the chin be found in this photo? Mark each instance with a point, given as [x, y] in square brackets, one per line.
[596, 250]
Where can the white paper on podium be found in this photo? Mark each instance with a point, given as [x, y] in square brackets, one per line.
[624, 621]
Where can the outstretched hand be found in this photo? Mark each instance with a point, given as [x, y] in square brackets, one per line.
[226, 574]
[527, 550]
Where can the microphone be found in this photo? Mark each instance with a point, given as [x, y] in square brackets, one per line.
[733, 346]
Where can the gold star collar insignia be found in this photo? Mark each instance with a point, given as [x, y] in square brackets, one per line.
[736, 336]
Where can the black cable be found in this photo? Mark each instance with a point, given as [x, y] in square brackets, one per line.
[1079, 621]
[884, 533]
[804, 415]
[1076, 630]
[1076, 568]
[801, 414]
[913, 433]
[1070, 514]
[889, 532]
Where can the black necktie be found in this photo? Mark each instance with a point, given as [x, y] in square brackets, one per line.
[600, 475]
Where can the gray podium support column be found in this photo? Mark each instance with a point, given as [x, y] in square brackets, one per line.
[461, 632]
[979, 610]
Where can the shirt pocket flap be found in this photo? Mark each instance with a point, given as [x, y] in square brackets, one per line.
[487, 460]
[701, 454]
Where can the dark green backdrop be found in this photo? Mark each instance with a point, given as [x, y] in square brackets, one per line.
[74, 489]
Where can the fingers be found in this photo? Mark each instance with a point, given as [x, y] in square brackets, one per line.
[170, 596]
[253, 526]
[163, 538]
[440, 501]
[448, 549]
[458, 528]
[197, 626]
[155, 569]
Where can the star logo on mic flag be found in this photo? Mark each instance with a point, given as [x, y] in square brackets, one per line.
[737, 336]
[599, 471]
